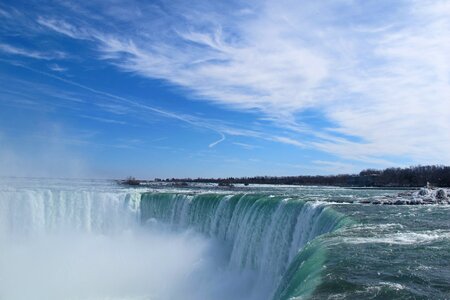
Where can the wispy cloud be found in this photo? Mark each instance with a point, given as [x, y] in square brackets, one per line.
[61, 27]
[104, 120]
[9, 49]
[286, 140]
[4, 13]
[57, 68]
[245, 145]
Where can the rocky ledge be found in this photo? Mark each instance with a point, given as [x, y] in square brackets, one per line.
[420, 197]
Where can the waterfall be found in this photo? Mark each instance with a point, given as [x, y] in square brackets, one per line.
[264, 233]
[41, 211]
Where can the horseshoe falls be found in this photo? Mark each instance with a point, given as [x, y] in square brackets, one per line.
[79, 239]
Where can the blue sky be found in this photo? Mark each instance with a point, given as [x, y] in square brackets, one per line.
[215, 89]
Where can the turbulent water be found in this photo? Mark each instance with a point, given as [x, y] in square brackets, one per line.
[63, 239]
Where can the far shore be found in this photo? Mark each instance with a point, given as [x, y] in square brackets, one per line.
[390, 178]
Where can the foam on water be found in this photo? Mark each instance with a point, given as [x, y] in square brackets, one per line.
[401, 238]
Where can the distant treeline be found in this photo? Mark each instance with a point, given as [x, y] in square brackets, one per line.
[416, 176]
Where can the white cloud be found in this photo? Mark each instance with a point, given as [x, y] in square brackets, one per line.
[62, 27]
[401, 104]
[9, 49]
[245, 145]
[57, 68]
[104, 120]
[4, 13]
[286, 140]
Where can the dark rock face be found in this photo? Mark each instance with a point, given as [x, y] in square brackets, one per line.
[416, 202]
[428, 200]
[441, 194]
[424, 192]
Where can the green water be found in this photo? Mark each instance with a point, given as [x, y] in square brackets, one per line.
[390, 253]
